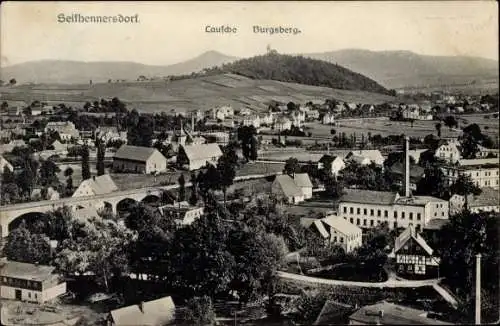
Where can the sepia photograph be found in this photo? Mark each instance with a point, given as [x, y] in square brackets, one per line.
[269, 163]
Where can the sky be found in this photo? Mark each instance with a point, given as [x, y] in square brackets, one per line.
[172, 32]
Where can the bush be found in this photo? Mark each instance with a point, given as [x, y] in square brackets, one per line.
[200, 311]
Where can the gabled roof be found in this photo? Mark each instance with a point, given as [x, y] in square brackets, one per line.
[371, 154]
[487, 197]
[408, 234]
[341, 225]
[288, 186]
[26, 271]
[302, 180]
[329, 158]
[332, 313]
[100, 185]
[153, 313]
[369, 196]
[134, 153]
[393, 314]
[320, 227]
[202, 151]
[416, 171]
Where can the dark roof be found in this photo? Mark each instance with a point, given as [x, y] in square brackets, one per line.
[416, 172]
[436, 224]
[26, 271]
[333, 313]
[369, 196]
[393, 314]
[134, 153]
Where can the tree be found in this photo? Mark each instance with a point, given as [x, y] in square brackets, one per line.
[200, 311]
[85, 163]
[333, 187]
[101, 152]
[438, 129]
[226, 168]
[12, 82]
[450, 121]
[291, 106]
[245, 136]
[68, 173]
[182, 187]
[291, 166]
[48, 173]
[464, 186]
[433, 183]
[469, 147]
[193, 199]
[23, 246]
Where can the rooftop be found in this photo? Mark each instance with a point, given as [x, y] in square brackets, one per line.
[488, 197]
[341, 225]
[302, 180]
[26, 271]
[361, 196]
[156, 312]
[436, 224]
[202, 151]
[418, 200]
[410, 233]
[386, 313]
[134, 153]
[288, 186]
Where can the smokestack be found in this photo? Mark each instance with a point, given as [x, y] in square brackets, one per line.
[192, 123]
[478, 289]
[407, 167]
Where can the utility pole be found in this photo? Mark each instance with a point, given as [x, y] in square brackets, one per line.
[478, 289]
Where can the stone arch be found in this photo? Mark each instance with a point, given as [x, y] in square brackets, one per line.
[151, 199]
[124, 205]
[31, 219]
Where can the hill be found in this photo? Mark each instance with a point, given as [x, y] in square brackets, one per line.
[302, 70]
[189, 94]
[400, 69]
[74, 72]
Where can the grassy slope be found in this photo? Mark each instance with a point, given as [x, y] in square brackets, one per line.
[190, 94]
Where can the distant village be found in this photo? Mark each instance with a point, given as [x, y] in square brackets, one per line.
[205, 215]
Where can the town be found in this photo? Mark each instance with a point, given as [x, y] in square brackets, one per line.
[232, 213]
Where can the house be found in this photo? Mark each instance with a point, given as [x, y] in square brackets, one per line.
[328, 119]
[66, 129]
[483, 172]
[487, 201]
[282, 124]
[59, 147]
[194, 157]
[4, 164]
[385, 313]
[29, 282]
[303, 181]
[367, 208]
[351, 106]
[139, 160]
[96, 186]
[415, 154]
[285, 188]
[107, 134]
[158, 312]
[334, 163]
[334, 313]
[484, 152]
[342, 233]
[47, 110]
[312, 115]
[372, 155]
[251, 120]
[298, 117]
[414, 257]
[182, 212]
[367, 108]
[267, 118]
[448, 150]
[245, 112]
[38, 194]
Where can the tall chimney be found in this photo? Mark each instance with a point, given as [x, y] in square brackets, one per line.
[192, 123]
[478, 289]
[407, 167]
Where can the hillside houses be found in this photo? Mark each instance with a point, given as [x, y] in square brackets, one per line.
[65, 129]
[448, 150]
[282, 124]
[328, 118]
[292, 190]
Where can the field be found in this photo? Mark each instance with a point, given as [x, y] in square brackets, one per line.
[189, 94]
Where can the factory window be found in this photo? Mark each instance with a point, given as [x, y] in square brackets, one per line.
[352, 220]
[364, 222]
[402, 214]
[351, 210]
[395, 214]
[411, 216]
[365, 211]
[345, 209]
[371, 222]
[378, 212]
[341, 239]
[358, 211]
[357, 221]
[418, 216]
[371, 212]
[386, 213]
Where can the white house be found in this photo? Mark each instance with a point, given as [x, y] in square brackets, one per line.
[285, 188]
[137, 159]
[282, 124]
[328, 118]
[251, 120]
[367, 155]
[183, 212]
[336, 163]
[66, 129]
[312, 114]
[151, 313]
[194, 157]
[303, 181]
[483, 172]
[449, 151]
[343, 233]
[487, 201]
[29, 282]
[96, 186]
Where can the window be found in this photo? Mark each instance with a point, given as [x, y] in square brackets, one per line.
[358, 211]
[351, 210]
[395, 225]
[29, 294]
[351, 220]
[365, 211]
[371, 222]
[371, 212]
[403, 215]
[341, 239]
[442, 213]
[345, 209]
[418, 217]
[335, 239]
[386, 213]
[378, 212]
[36, 296]
[435, 214]
[395, 214]
[437, 205]
[364, 222]
[411, 216]
[357, 221]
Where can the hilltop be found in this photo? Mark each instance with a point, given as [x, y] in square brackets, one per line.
[302, 70]
[75, 72]
[401, 69]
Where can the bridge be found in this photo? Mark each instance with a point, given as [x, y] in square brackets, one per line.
[10, 213]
